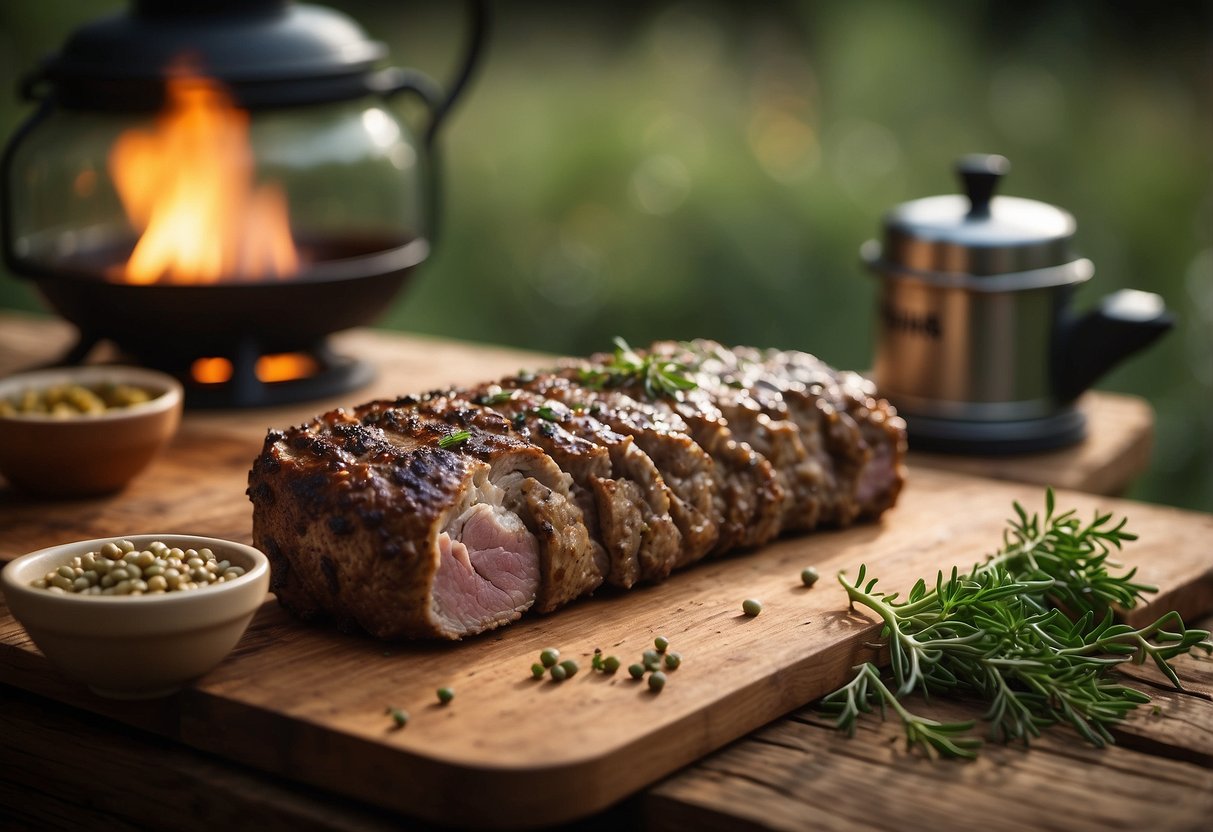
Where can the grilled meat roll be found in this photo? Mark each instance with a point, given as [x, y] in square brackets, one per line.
[452, 513]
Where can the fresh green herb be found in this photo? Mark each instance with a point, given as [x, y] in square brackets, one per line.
[656, 681]
[657, 376]
[454, 439]
[808, 576]
[751, 607]
[673, 660]
[1030, 632]
[499, 397]
[546, 413]
[596, 661]
[399, 718]
[661, 643]
[637, 670]
[445, 695]
[549, 656]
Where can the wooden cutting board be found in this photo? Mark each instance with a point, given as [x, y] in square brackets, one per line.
[308, 703]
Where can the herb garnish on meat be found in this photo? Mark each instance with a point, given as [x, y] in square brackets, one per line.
[657, 376]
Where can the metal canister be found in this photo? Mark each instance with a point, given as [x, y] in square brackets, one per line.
[977, 345]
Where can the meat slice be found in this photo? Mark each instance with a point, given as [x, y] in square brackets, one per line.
[533, 487]
[620, 487]
[684, 466]
[757, 414]
[854, 443]
[872, 480]
[385, 535]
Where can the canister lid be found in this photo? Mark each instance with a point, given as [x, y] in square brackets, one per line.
[978, 233]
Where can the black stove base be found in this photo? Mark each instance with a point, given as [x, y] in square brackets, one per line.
[334, 375]
[955, 436]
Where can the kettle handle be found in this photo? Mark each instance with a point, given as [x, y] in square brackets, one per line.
[391, 82]
[1087, 346]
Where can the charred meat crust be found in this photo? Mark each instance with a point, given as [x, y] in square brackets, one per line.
[609, 483]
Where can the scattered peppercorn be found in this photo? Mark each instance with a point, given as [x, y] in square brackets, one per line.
[661, 643]
[610, 664]
[651, 659]
[399, 717]
[656, 681]
[445, 695]
[808, 575]
[570, 667]
[537, 670]
[637, 670]
[751, 607]
[672, 660]
[549, 656]
[559, 673]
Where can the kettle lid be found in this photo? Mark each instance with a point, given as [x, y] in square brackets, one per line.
[978, 233]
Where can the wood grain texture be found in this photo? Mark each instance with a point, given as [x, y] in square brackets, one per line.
[801, 774]
[308, 703]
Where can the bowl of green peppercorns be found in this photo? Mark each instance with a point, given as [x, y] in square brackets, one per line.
[141, 616]
[84, 431]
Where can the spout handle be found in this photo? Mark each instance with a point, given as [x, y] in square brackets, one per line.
[980, 174]
[1088, 346]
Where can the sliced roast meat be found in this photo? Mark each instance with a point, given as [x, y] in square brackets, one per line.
[533, 487]
[622, 489]
[453, 513]
[386, 535]
[685, 467]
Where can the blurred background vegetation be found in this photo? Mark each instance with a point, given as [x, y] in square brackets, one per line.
[683, 169]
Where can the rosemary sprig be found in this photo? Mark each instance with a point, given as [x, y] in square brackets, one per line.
[453, 439]
[1031, 631]
[657, 376]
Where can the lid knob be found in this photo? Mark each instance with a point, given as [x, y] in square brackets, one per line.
[980, 172]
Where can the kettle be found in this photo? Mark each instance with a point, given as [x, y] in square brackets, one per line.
[977, 344]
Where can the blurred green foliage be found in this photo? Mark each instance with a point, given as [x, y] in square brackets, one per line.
[709, 169]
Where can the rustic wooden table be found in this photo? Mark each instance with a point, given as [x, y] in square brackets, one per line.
[68, 768]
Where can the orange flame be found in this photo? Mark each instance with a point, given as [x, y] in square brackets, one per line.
[187, 187]
[282, 366]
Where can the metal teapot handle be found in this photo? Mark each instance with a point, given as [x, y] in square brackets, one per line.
[389, 83]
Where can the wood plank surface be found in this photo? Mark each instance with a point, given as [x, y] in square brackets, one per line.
[800, 774]
[307, 704]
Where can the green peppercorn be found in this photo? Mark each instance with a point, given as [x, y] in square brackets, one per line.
[559, 673]
[672, 660]
[610, 664]
[751, 607]
[570, 667]
[549, 656]
[399, 717]
[808, 576]
[445, 695]
[661, 643]
[656, 681]
[651, 659]
[637, 670]
[537, 670]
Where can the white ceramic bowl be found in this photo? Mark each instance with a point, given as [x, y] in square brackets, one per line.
[141, 646]
[87, 454]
